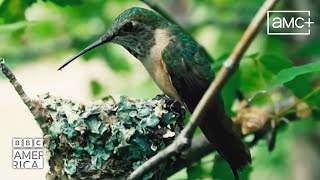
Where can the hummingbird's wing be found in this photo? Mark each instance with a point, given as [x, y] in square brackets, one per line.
[188, 68]
[191, 75]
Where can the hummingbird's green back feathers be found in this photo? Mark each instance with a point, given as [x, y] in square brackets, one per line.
[191, 75]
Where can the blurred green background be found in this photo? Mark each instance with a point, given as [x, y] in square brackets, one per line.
[52, 30]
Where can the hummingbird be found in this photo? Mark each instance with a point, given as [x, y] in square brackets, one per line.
[181, 69]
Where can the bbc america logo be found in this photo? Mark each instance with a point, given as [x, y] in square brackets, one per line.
[27, 153]
[289, 23]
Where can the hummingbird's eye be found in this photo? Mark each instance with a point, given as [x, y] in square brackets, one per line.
[127, 27]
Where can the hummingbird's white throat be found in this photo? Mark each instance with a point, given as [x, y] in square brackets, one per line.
[155, 65]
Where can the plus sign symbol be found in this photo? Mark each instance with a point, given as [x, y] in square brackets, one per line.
[289, 22]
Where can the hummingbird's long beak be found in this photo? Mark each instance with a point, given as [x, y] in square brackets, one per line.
[97, 43]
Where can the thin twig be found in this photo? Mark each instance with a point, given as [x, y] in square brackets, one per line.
[24, 97]
[155, 7]
[287, 110]
[183, 140]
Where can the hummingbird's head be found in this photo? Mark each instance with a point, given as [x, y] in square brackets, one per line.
[133, 29]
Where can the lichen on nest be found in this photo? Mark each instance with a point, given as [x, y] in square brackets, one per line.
[105, 139]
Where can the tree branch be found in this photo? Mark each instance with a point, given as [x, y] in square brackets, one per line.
[199, 148]
[155, 7]
[183, 140]
[263, 129]
[26, 100]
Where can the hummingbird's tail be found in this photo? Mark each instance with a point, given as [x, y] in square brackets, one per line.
[218, 129]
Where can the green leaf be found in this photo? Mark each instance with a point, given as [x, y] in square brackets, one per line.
[65, 3]
[300, 85]
[289, 74]
[311, 49]
[13, 10]
[13, 26]
[276, 165]
[276, 46]
[260, 98]
[219, 62]
[297, 79]
[254, 77]
[195, 171]
[275, 63]
[96, 88]
[222, 170]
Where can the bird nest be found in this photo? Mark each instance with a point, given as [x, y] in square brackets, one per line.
[106, 139]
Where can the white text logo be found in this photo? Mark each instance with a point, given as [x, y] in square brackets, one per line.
[27, 153]
[289, 23]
